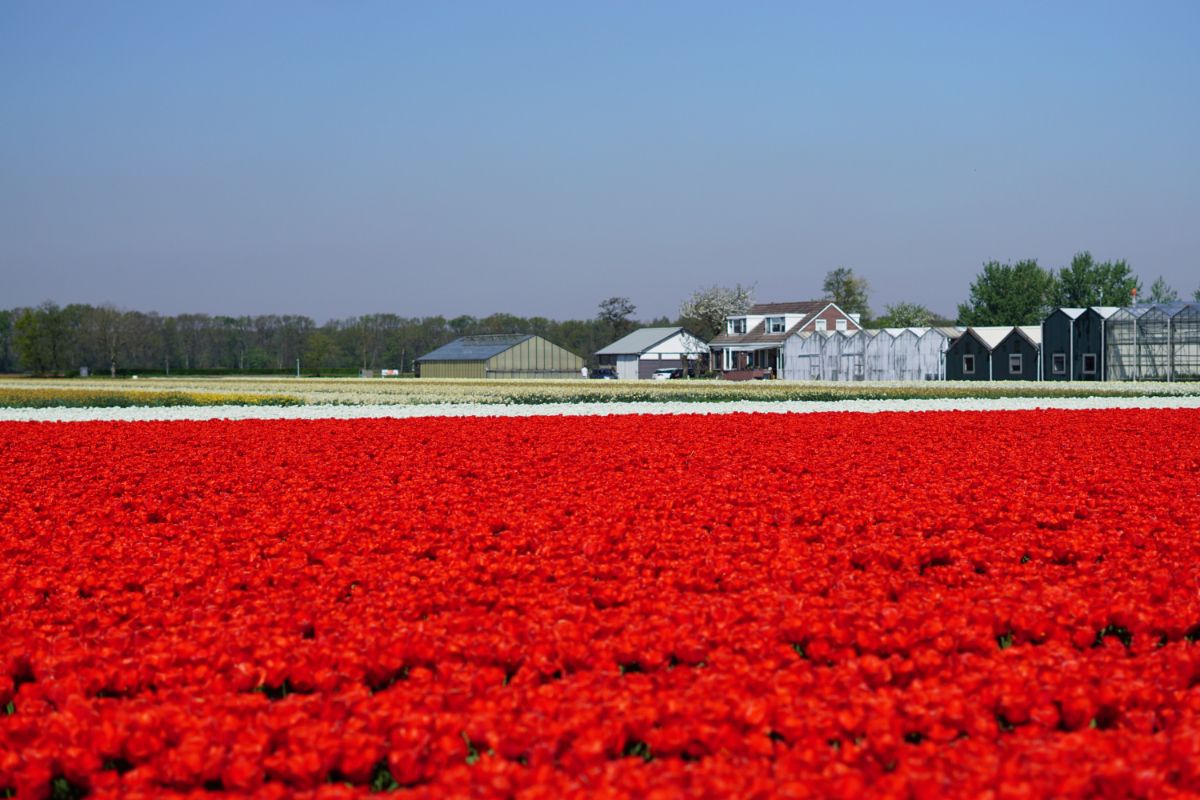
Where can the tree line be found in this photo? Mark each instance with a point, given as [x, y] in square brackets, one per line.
[50, 339]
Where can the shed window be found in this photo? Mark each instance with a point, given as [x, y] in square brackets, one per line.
[1014, 364]
[968, 365]
[737, 325]
[822, 325]
[775, 325]
[840, 324]
[1060, 364]
[1089, 363]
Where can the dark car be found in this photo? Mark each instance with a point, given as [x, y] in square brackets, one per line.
[603, 373]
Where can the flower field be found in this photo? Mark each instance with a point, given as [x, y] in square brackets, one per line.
[1000, 604]
[259, 391]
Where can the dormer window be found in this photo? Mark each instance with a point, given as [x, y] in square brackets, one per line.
[822, 325]
[776, 325]
[736, 325]
[840, 324]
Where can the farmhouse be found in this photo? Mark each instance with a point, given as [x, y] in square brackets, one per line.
[520, 355]
[995, 353]
[752, 343]
[1073, 344]
[646, 350]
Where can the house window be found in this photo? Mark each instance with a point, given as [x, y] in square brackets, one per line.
[737, 325]
[1089, 363]
[1059, 364]
[822, 325]
[840, 325]
[775, 325]
[1014, 364]
[968, 365]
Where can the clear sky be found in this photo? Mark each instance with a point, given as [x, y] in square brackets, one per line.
[340, 158]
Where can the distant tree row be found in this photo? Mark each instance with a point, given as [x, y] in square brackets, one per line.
[52, 339]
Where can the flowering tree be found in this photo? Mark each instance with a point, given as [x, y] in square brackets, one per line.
[705, 311]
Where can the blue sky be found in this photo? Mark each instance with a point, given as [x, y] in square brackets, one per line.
[423, 158]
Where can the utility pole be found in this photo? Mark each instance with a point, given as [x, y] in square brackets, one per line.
[297, 366]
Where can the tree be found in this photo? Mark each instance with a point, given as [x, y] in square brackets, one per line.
[1088, 283]
[1196, 294]
[1161, 292]
[705, 311]
[107, 332]
[45, 336]
[848, 290]
[6, 342]
[614, 315]
[1008, 294]
[320, 349]
[905, 315]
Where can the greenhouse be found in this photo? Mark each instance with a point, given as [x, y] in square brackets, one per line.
[1185, 343]
[888, 354]
[1159, 342]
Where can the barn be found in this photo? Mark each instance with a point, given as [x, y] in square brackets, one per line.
[1073, 344]
[640, 354]
[519, 355]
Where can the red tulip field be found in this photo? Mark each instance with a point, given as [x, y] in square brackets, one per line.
[936, 604]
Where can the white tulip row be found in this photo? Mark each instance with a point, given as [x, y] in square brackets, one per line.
[581, 409]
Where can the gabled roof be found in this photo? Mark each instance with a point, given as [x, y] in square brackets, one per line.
[639, 341]
[991, 335]
[1071, 313]
[758, 334]
[1137, 312]
[1105, 311]
[806, 307]
[1031, 332]
[476, 348]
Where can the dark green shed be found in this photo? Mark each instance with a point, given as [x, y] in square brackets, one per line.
[995, 353]
[1073, 344]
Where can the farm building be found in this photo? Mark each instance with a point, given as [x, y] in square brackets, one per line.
[889, 354]
[520, 355]
[1157, 342]
[752, 344]
[638, 355]
[1073, 344]
[995, 353]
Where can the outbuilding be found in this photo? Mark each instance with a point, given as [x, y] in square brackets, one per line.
[995, 353]
[1073, 344]
[518, 355]
[645, 351]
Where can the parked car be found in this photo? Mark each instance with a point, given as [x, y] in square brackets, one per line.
[667, 373]
[604, 374]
